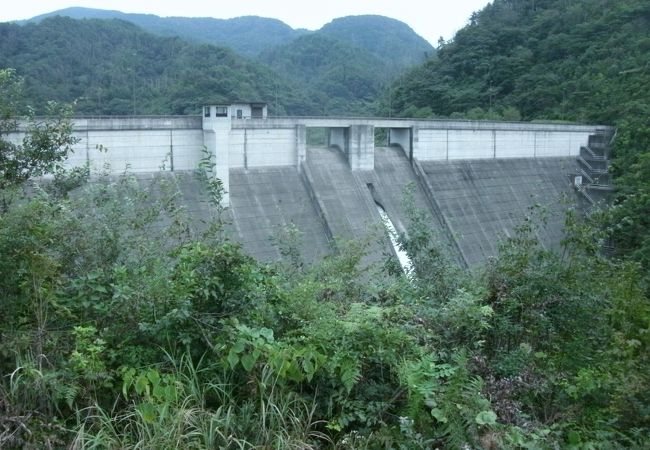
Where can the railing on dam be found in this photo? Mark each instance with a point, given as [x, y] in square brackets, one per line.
[383, 122]
[119, 123]
[160, 122]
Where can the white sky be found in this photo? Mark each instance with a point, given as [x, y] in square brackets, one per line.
[430, 19]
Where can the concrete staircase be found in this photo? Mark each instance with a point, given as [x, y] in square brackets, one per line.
[592, 179]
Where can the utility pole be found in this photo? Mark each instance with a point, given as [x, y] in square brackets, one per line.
[134, 55]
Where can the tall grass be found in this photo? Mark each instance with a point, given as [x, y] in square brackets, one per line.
[208, 413]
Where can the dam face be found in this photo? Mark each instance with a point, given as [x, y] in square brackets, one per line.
[476, 180]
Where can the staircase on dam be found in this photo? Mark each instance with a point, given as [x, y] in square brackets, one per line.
[593, 168]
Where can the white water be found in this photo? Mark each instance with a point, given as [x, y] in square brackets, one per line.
[403, 258]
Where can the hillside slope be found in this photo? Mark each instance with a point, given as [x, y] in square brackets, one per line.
[113, 67]
[387, 39]
[339, 77]
[586, 60]
[339, 69]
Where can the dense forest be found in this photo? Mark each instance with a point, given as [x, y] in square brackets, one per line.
[247, 36]
[551, 59]
[113, 67]
[343, 80]
[250, 36]
[123, 325]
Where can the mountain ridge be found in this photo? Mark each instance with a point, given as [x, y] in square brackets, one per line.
[339, 69]
[252, 35]
[221, 32]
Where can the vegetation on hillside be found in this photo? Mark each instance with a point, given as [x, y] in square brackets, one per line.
[339, 69]
[581, 61]
[385, 38]
[247, 36]
[344, 66]
[339, 78]
[390, 40]
[113, 67]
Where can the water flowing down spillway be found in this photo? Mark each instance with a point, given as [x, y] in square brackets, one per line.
[402, 256]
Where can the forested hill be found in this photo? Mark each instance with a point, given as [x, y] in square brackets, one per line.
[113, 67]
[345, 65]
[247, 36]
[340, 78]
[387, 39]
[583, 60]
[390, 40]
[339, 69]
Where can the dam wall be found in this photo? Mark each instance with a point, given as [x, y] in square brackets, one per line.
[250, 148]
[428, 139]
[496, 141]
[267, 205]
[483, 201]
[476, 180]
[141, 144]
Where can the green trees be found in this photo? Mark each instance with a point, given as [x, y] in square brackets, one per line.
[113, 67]
[46, 142]
[338, 78]
[121, 326]
[553, 60]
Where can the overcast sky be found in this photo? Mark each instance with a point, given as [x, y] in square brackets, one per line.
[430, 19]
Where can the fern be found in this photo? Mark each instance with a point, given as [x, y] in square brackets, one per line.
[448, 398]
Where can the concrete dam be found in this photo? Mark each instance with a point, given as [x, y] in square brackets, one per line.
[475, 179]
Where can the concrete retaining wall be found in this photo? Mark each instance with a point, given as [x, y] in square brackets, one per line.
[141, 144]
[151, 144]
[450, 144]
[140, 150]
[402, 138]
[263, 148]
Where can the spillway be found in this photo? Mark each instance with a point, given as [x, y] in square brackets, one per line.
[402, 256]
